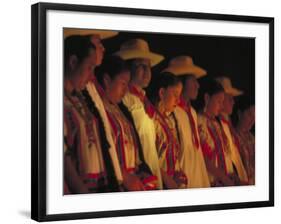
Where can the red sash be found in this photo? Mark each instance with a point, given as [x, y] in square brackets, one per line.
[149, 108]
[187, 109]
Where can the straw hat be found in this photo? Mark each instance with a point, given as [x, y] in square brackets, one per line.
[138, 48]
[183, 65]
[104, 34]
[227, 85]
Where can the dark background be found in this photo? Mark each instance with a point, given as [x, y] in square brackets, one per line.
[219, 55]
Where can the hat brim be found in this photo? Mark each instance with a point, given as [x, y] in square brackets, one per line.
[190, 70]
[133, 54]
[104, 34]
[233, 91]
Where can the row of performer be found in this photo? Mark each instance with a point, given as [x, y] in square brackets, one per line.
[120, 137]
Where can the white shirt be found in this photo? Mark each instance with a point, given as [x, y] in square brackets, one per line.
[191, 158]
[235, 155]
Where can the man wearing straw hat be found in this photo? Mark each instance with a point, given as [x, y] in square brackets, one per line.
[191, 157]
[228, 103]
[141, 59]
[93, 100]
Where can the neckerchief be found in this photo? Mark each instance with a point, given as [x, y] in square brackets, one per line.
[148, 107]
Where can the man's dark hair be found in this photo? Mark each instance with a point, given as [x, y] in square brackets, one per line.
[77, 45]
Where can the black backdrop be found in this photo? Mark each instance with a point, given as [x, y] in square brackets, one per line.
[219, 55]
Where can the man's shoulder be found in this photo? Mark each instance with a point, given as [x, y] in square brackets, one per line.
[132, 101]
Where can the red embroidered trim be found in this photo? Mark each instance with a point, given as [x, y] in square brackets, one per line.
[122, 157]
[170, 161]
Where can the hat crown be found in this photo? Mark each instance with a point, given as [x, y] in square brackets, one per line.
[183, 65]
[181, 61]
[135, 44]
[225, 82]
[227, 85]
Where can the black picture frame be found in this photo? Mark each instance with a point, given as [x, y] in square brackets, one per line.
[40, 122]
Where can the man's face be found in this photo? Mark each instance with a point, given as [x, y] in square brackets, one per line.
[248, 118]
[191, 87]
[214, 103]
[82, 70]
[99, 49]
[142, 76]
[228, 104]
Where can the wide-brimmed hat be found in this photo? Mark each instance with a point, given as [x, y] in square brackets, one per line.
[183, 65]
[138, 48]
[103, 34]
[227, 85]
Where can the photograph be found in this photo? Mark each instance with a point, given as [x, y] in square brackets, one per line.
[149, 111]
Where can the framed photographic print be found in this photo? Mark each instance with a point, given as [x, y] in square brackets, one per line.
[138, 111]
